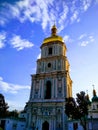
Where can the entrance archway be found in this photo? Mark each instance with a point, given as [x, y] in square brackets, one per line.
[45, 126]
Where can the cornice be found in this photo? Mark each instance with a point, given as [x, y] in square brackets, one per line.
[55, 74]
[52, 58]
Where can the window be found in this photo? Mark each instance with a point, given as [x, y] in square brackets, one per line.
[49, 65]
[93, 107]
[97, 106]
[48, 90]
[50, 51]
[75, 126]
[59, 125]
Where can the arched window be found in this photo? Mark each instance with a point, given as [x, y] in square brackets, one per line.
[50, 51]
[45, 126]
[48, 90]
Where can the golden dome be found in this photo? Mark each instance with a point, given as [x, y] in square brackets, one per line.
[54, 37]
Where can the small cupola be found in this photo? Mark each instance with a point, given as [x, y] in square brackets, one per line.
[94, 98]
[54, 37]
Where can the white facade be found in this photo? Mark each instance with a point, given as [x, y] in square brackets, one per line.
[15, 124]
[93, 110]
[22, 115]
[50, 85]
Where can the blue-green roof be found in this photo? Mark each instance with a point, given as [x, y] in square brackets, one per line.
[95, 99]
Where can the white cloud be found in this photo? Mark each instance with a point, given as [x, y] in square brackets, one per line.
[84, 43]
[85, 39]
[19, 43]
[91, 38]
[2, 21]
[86, 4]
[39, 56]
[34, 11]
[1, 78]
[45, 12]
[78, 20]
[11, 88]
[63, 14]
[42, 11]
[74, 16]
[67, 39]
[2, 39]
[14, 105]
[82, 36]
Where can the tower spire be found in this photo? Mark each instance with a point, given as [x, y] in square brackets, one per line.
[53, 30]
[94, 91]
[87, 95]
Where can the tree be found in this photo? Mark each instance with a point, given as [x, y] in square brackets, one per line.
[3, 107]
[78, 109]
[13, 113]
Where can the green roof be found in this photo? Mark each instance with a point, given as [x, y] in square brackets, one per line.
[95, 99]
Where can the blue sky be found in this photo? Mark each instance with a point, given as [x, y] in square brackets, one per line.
[23, 26]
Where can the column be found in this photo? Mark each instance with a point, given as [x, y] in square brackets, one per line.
[56, 87]
[52, 88]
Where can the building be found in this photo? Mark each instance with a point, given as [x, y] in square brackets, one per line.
[45, 109]
[14, 124]
[92, 120]
[50, 85]
[93, 112]
[20, 122]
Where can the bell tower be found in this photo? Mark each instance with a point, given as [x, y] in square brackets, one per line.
[50, 85]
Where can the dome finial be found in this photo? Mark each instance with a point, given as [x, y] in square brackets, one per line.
[94, 91]
[87, 96]
[95, 98]
[53, 30]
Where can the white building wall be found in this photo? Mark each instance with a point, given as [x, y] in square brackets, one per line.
[12, 124]
[70, 126]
